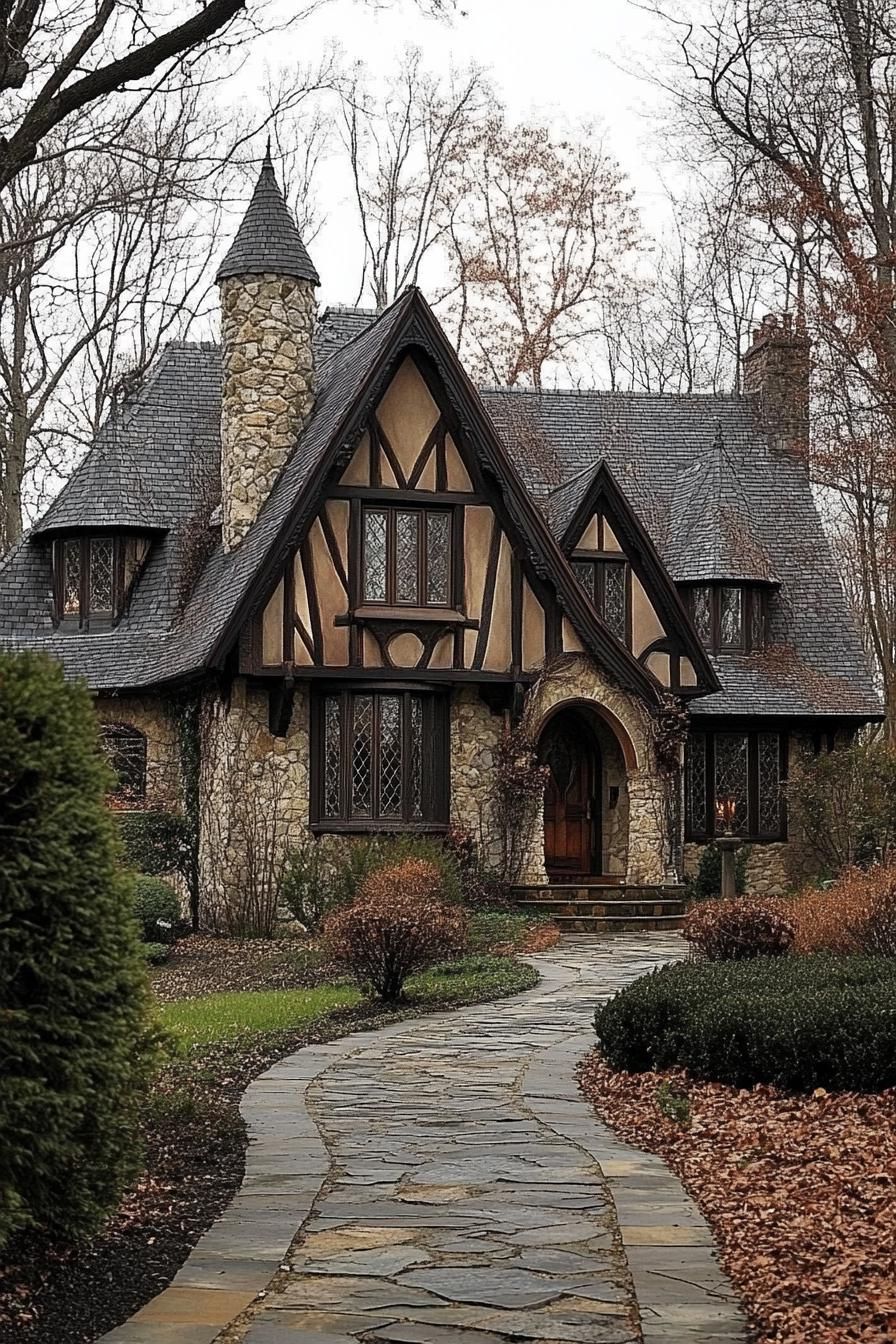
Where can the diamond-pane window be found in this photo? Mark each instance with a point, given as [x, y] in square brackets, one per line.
[438, 559]
[757, 620]
[585, 573]
[695, 783]
[390, 756]
[392, 747]
[701, 607]
[71, 584]
[615, 606]
[407, 557]
[769, 770]
[416, 762]
[332, 756]
[732, 779]
[102, 576]
[745, 769]
[731, 620]
[375, 556]
[362, 757]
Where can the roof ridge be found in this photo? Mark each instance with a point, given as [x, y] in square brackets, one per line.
[635, 395]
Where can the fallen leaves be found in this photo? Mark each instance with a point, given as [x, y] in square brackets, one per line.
[800, 1192]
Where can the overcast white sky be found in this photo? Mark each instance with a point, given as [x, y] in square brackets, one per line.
[562, 61]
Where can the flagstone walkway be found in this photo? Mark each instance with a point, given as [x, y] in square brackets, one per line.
[469, 1195]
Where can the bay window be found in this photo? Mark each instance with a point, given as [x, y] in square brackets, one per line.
[92, 576]
[380, 760]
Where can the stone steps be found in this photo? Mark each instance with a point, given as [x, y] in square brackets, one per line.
[605, 907]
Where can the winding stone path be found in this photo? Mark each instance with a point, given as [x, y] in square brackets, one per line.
[463, 1192]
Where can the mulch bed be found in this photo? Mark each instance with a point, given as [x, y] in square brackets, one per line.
[800, 1193]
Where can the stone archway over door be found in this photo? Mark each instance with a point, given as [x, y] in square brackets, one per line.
[573, 800]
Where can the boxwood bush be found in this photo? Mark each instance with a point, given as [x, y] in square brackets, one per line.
[157, 909]
[796, 1022]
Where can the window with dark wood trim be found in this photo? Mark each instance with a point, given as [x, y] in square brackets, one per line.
[92, 576]
[380, 760]
[743, 769]
[729, 617]
[125, 750]
[407, 556]
[607, 583]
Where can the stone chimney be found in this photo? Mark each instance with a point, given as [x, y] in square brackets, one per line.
[267, 282]
[776, 367]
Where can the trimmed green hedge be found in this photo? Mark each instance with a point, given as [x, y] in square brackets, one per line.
[76, 1049]
[798, 1023]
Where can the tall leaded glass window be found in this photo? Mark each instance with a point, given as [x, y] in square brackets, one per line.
[606, 583]
[407, 557]
[382, 760]
[71, 578]
[731, 618]
[102, 576]
[701, 609]
[740, 769]
[732, 779]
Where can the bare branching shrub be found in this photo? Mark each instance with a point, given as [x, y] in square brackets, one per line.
[737, 929]
[857, 914]
[397, 926]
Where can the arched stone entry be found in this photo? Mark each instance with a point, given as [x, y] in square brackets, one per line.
[586, 805]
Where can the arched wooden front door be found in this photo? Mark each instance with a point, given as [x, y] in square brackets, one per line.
[572, 798]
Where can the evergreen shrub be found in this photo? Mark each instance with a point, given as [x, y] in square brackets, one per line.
[795, 1022]
[707, 881]
[75, 1048]
[157, 909]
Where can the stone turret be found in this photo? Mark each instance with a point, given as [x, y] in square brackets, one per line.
[267, 282]
[776, 366]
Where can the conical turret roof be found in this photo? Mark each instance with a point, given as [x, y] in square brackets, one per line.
[268, 241]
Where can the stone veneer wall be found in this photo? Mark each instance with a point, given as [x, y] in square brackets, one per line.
[475, 734]
[148, 714]
[267, 323]
[253, 793]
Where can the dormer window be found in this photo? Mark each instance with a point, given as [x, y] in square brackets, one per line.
[93, 576]
[407, 557]
[606, 581]
[729, 617]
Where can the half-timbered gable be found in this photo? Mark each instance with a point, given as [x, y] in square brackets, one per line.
[618, 565]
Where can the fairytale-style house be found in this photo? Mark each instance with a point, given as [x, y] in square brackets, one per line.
[364, 570]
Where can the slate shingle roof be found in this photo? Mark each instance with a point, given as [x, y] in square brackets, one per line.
[655, 446]
[267, 239]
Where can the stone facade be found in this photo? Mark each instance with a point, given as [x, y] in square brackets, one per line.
[253, 801]
[475, 733]
[149, 715]
[267, 323]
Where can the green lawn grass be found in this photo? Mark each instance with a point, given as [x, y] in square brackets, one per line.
[218, 1018]
[221, 1017]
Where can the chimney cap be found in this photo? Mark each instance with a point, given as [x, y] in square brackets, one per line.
[267, 241]
[779, 328]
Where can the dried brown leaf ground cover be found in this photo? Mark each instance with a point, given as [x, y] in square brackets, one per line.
[800, 1193]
